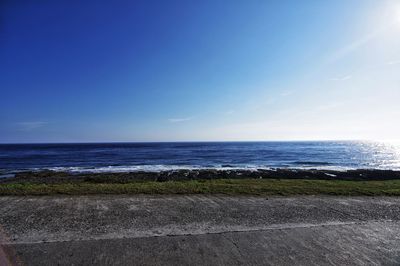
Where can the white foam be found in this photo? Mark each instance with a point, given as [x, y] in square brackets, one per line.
[148, 168]
[161, 168]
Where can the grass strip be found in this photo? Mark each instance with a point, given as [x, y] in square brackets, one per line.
[262, 187]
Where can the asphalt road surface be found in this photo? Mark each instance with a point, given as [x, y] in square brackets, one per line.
[199, 230]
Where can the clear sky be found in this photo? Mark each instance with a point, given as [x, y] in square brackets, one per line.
[199, 70]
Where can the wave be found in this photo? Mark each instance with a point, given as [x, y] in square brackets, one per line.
[311, 163]
[148, 168]
[162, 168]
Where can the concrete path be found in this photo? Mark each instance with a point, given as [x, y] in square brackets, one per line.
[199, 230]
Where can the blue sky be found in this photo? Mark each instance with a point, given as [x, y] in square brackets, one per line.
[199, 70]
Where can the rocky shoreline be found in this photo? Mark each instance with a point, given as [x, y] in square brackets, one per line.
[52, 177]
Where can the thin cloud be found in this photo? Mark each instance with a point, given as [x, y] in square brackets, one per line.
[286, 93]
[179, 120]
[329, 106]
[229, 112]
[394, 62]
[270, 101]
[359, 43]
[341, 78]
[355, 45]
[31, 125]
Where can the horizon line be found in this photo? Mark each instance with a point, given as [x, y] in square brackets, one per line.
[190, 141]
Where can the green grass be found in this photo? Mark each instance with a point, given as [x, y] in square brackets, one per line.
[262, 187]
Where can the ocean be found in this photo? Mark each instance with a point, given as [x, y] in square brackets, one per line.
[129, 157]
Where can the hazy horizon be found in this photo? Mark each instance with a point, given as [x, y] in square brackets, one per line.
[180, 71]
[390, 141]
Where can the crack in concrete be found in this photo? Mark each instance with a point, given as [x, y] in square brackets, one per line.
[235, 245]
[268, 228]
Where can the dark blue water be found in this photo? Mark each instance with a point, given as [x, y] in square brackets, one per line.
[119, 157]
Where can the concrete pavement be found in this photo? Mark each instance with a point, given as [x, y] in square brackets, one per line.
[200, 230]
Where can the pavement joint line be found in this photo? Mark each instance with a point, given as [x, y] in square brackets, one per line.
[268, 228]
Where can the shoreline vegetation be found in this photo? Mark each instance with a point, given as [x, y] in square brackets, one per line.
[283, 182]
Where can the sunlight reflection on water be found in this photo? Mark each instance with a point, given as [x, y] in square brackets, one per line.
[387, 153]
